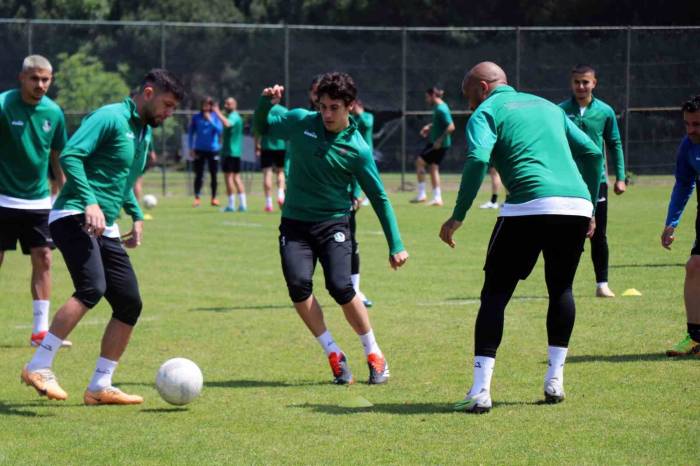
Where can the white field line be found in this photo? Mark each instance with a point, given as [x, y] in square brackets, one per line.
[95, 321]
[242, 224]
[462, 302]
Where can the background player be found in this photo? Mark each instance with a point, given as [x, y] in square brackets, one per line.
[204, 139]
[32, 134]
[597, 120]
[232, 149]
[272, 152]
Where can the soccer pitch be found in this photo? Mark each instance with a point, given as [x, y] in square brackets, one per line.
[213, 292]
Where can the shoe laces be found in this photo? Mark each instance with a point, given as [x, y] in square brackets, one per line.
[335, 361]
[46, 375]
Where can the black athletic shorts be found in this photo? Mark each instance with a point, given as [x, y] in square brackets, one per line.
[516, 243]
[272, 158]
[432, 156]
[302, 244]
[98, 266]
[231, 164]
[29, 226]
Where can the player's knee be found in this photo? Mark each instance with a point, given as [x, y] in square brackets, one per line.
[692, 267]
[90, 294]
[299, 289]
[42, 259]
[128, 309]
[341, 290]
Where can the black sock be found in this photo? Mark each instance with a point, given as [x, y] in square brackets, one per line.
[494, 198]
[694, 331]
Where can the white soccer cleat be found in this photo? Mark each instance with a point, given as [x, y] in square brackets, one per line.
[553, 391]
[489, 205]
[476, 404]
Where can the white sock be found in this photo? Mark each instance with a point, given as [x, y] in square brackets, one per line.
[232, 201]
[421, 189]
[43, 357]
[242, 200]
[483, 370]
[102, 377]
[601, 284]
[268, 201]
[280, 193]
[556, 355]
[355, 281]
[41, 315]
[328, 343]
[437, 193]
[370, 343]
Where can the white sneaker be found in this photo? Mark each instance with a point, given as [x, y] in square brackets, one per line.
[489, 205]
[418, 199]
[436, 202]
[553, 391]
[477, 404]
[604, 291]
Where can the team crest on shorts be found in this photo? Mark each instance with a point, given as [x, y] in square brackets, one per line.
[339, 237]
[46, 126]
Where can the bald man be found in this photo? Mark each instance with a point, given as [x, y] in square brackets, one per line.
[231, 150]
[548, 210]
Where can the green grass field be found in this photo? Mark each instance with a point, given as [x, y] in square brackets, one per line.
[214, 292]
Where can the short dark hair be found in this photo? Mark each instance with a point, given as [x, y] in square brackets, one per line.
[337, 86]
[692, 105]
[314, 82]
[435, 91]
[164, 81]
[582, 68]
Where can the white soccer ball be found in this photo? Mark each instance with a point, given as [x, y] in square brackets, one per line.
[150, 201]
[179, 381]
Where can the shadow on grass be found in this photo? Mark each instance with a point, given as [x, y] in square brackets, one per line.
[260, 384]
[241, 308]
[174, 409]
[403, 408]
[644, 266]
[478, 298]
[18, 409]
[634, 357]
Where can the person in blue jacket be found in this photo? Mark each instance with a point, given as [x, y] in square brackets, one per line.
[204, 140]
[687, 172]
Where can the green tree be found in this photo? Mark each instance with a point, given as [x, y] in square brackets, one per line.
[82, 83]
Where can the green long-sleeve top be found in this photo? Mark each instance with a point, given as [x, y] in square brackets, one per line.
[103, 159]
[599, 123]
[536, 149]
[321, 167]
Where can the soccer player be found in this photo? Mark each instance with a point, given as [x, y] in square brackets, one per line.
[687, 172]
[101, 161]
[32, 134]
[325, 152]
[272, 152]
[597, 120]
[204, 139]
[232, 149]
[495, 187]
[536, 149]
[150, 162]
[439, 140]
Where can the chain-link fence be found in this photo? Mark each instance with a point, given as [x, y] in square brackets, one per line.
[645, 73]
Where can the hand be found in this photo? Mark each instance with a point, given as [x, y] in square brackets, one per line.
[667, 237]
[356, 204]
[133, 238]
[258, 151]
[193, 154]
[447, 230]
[620, 187]
[274, 92]
[591, 228]
[398, 259]
[94, 220]
[424, 131]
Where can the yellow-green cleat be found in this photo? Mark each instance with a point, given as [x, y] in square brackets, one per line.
[686, 347]
[476, 404]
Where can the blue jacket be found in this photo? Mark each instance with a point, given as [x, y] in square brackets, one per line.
[205, 135]
[687, 171]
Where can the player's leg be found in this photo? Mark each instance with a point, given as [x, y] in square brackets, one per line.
[122, 293]
[495, 188]
[240, 187]
[564, 239]
[420, 174]
[82, 257]
[512, 253]
[227, 168]
[298, 264]
[355, 261]
[199, 160]
[267, 188]
[281, 180]
[599, 245]
[213, 164]
[435, 180]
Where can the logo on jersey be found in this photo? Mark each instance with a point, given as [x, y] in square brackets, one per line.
[18, 123]
[130, 135]
[339, 237]
[46, 126]
[310, 134]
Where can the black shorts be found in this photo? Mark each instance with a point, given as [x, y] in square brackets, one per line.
[432, 156]
[98, 267]
[231, 164]
[516, 243]
[29, 226]
[302, 244]
[272, 158]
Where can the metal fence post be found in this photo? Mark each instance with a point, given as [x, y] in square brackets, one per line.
[517, 58]
[164, 177]
[404, 52]
[286, 66]
[628, 79]
[29, 37]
